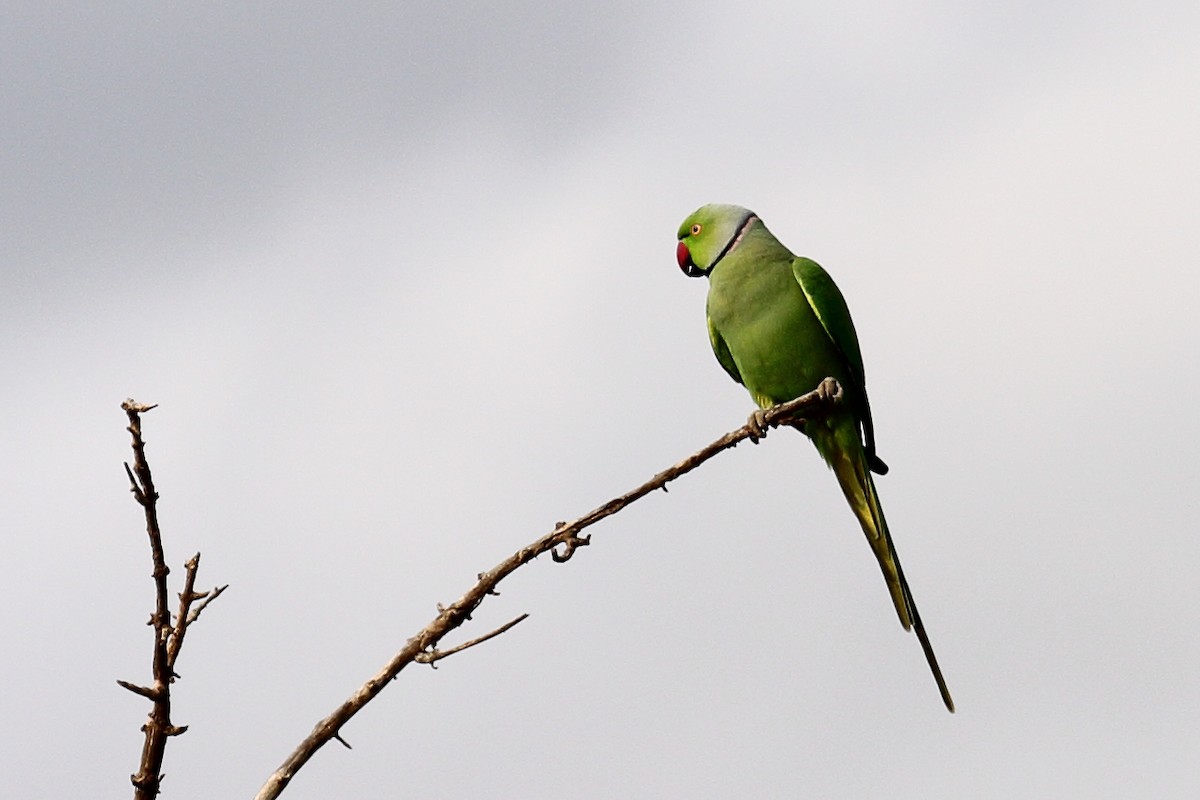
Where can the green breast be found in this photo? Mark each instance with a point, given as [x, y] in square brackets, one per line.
[760, 312]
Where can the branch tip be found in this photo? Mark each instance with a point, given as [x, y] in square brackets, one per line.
[134, 407]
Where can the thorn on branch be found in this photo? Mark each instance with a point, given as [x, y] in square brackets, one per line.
[147, 784]
[455, 610]
[343, 742]
[138, 494]
[145, 691]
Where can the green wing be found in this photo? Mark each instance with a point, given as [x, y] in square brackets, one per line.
[721, 351]
[830, 307]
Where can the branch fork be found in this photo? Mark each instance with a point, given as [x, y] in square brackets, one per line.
[168, 637]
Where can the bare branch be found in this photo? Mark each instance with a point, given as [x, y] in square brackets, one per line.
[423, 645]
[146, 780]
[433, 656]
[168, 640]
[205, 598]
[175, 639]
[187, 614]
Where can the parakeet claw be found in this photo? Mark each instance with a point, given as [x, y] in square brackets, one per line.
[757, 423]
[829, 390]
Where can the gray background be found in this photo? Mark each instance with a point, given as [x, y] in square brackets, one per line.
[402, 280]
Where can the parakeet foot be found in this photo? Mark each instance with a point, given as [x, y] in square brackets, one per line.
[829, 390]
[757, 423]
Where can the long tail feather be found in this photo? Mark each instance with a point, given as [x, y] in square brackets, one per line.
[849, 463]
[918, 625]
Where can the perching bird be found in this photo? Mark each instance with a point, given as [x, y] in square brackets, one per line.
[779, 326]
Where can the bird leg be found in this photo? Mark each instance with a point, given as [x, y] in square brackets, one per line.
[757, 423]
[829, 390]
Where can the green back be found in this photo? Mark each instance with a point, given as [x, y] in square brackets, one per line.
[830, 307]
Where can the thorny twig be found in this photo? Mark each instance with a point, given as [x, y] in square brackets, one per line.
[421, 648]
[168, 638]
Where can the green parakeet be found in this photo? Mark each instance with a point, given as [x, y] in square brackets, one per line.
[779, 326]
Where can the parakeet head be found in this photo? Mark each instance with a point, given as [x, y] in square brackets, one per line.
[708, 234]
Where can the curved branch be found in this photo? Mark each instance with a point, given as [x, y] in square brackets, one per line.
[422, 646]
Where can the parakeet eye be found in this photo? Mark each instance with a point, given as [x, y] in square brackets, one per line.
[696, 229]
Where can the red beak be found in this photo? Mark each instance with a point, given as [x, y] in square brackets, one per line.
[684, 257]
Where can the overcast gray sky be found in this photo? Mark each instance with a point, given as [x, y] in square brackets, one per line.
[402, 282]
